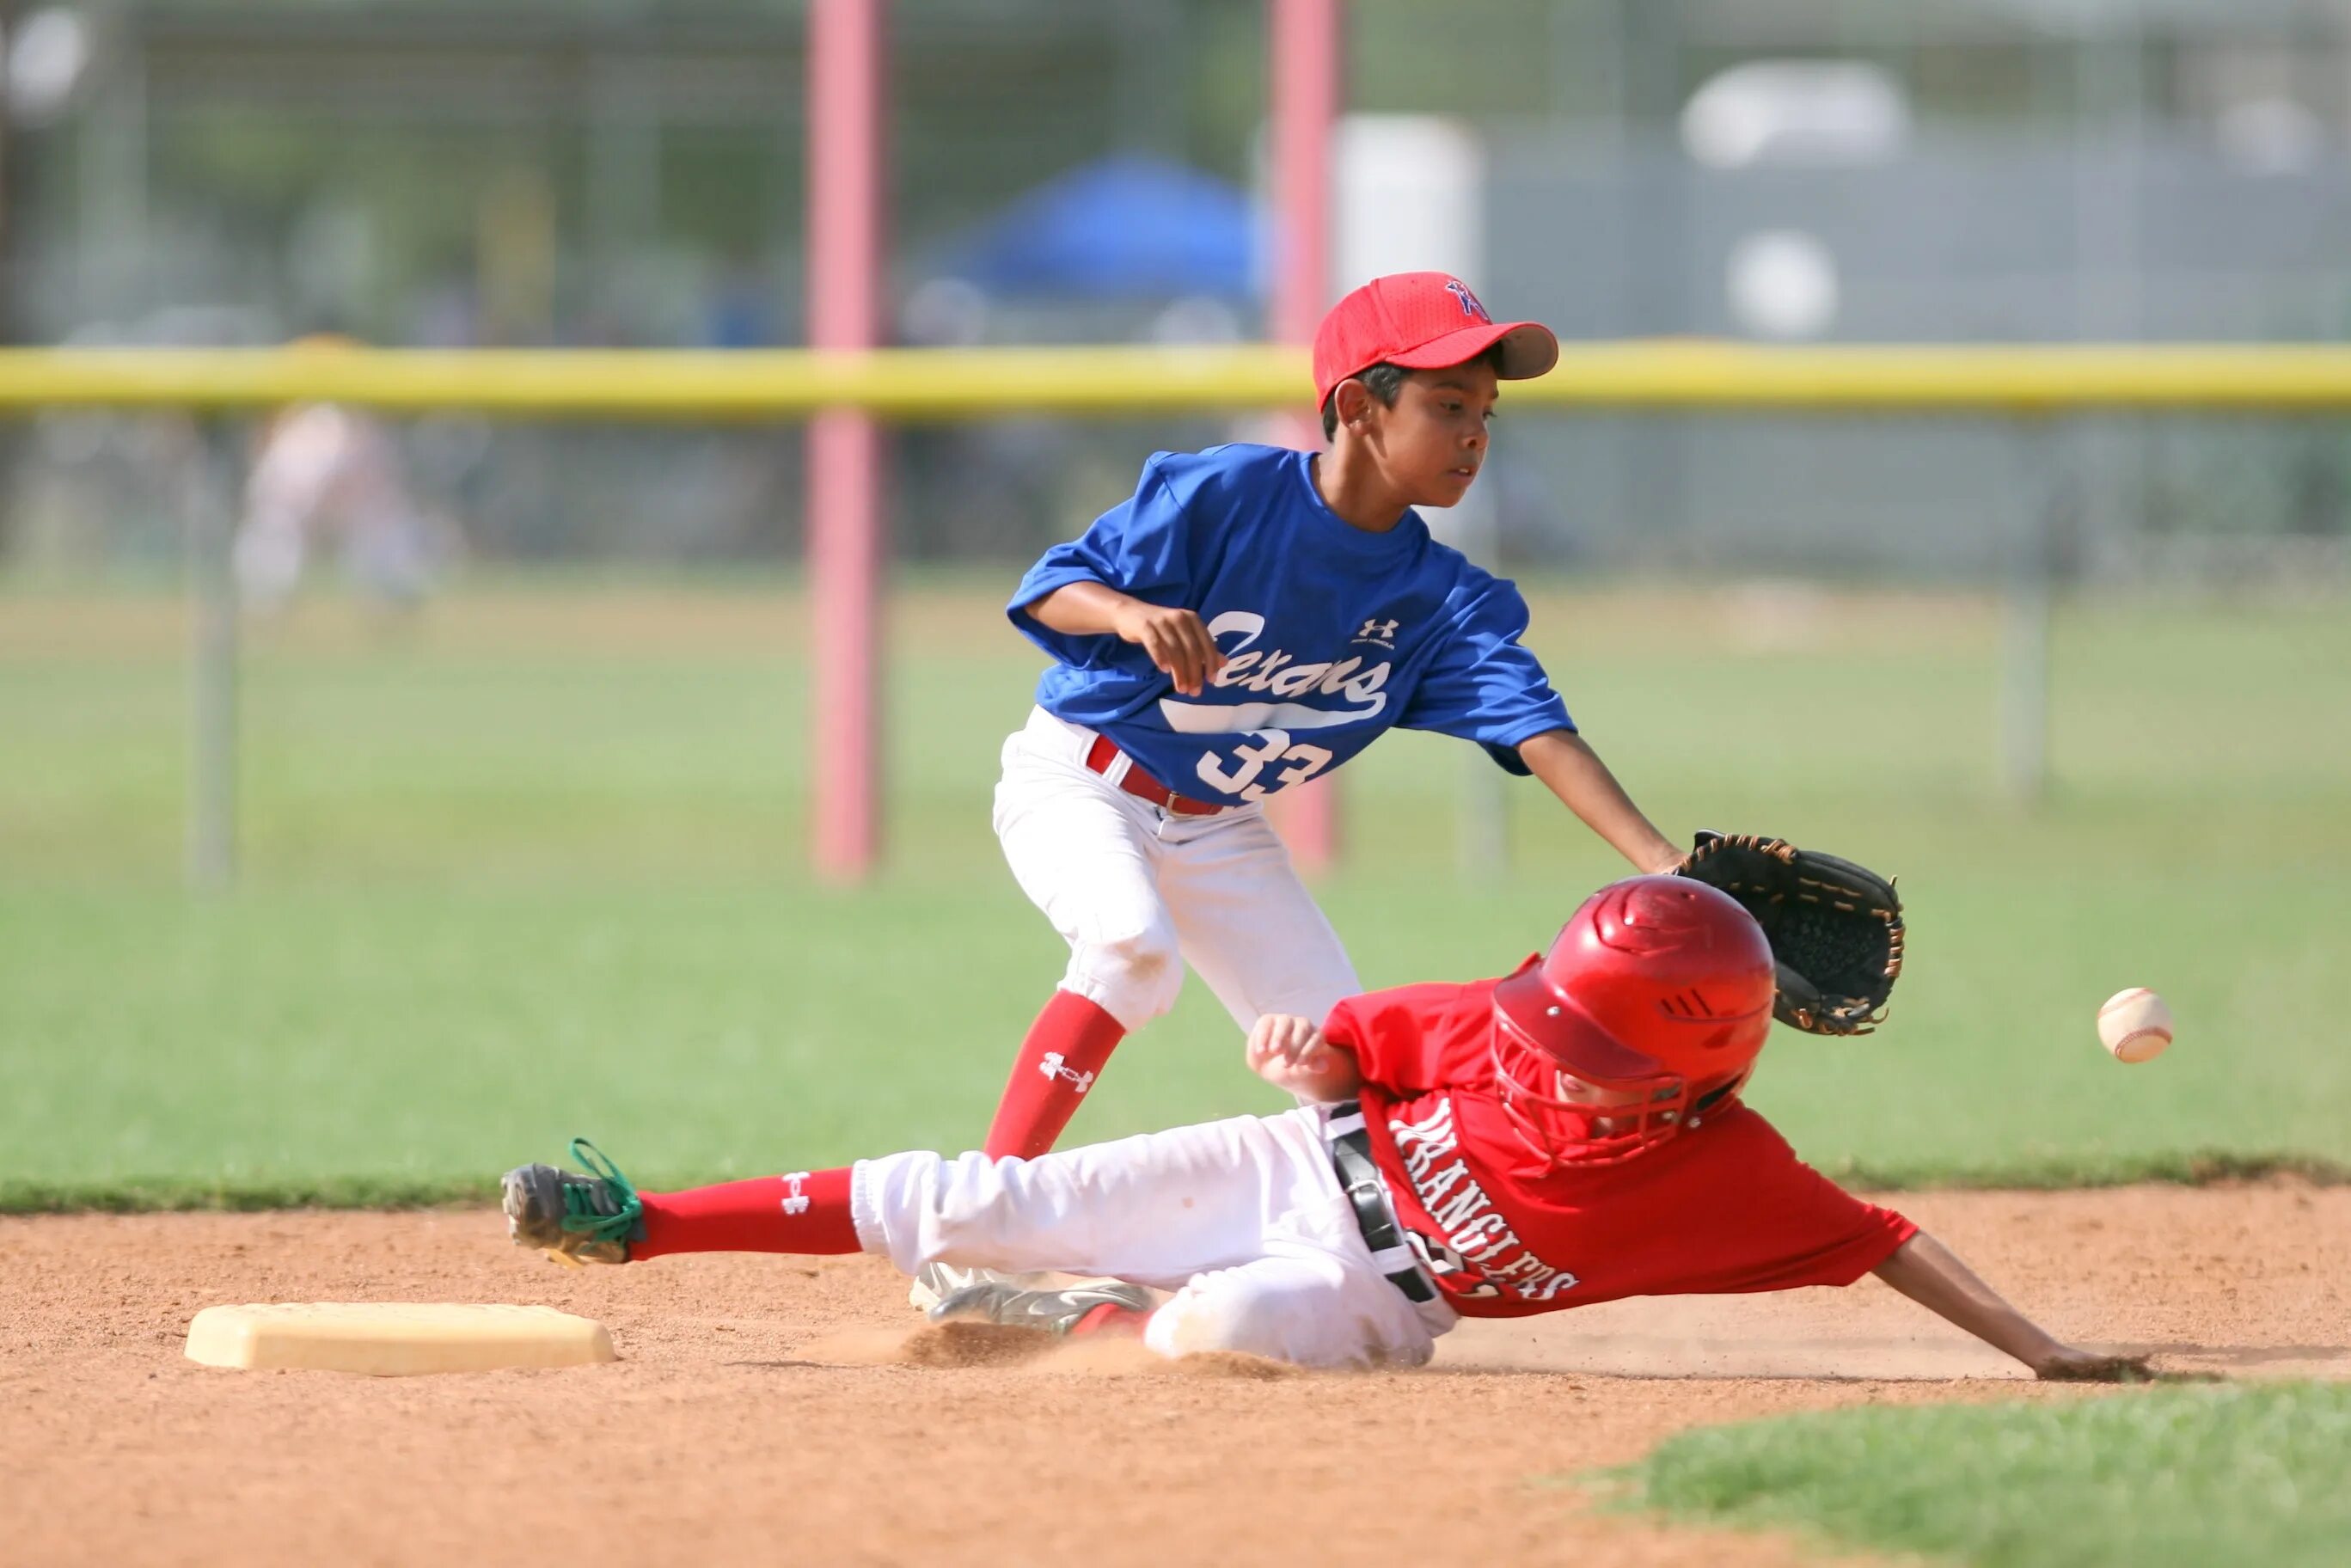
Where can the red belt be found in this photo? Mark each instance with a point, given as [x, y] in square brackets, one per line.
[1102, 753]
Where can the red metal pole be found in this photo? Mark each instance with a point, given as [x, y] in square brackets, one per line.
[1303, 48]
[844, 491]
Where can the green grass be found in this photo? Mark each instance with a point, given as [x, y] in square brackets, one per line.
[2168, 1478]
[536, 867]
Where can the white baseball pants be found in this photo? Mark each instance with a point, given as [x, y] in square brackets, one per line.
[1136, 891]
[1244, 1219]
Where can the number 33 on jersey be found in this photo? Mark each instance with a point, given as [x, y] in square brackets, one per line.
[1332, 634]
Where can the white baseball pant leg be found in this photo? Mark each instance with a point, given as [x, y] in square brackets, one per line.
[1136, 891]
[1247, 922]
[1243, 1219]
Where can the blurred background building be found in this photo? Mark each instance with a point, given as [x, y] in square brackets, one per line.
[631, 172]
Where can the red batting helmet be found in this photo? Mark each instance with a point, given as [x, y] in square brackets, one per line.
[1655, 998]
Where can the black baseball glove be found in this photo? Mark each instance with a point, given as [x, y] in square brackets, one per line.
[1834, 927]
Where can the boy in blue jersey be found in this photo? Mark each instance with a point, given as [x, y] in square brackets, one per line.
[1250, 620]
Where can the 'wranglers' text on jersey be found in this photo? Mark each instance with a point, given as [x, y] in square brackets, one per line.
[1329, 635]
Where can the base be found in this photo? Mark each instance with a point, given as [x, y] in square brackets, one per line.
[394, 1339]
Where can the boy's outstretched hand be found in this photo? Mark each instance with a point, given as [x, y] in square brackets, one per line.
[1930, 1275]
[2067, 1364]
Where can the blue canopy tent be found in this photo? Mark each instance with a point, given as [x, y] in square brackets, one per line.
[1124, 228]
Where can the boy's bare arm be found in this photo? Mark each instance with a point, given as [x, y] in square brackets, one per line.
[1177, 642]
[1573, 772]
[1292, 1054]
[1930, 1275]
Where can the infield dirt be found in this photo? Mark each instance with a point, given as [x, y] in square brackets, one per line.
[770, 1410]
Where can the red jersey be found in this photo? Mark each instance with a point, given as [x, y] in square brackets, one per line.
[1723, 1207]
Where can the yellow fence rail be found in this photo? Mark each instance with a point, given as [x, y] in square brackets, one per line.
[2034, 384]
[972, 383]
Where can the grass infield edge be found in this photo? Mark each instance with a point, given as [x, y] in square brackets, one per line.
[163, 1195]
[183, 1195]
[1631, 1490]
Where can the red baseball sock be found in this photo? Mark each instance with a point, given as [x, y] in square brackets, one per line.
[1065, 1049]
[805, 1212]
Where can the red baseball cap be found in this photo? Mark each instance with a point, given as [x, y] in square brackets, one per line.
[1423, 321]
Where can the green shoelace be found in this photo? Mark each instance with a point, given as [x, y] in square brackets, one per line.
[579, 1212]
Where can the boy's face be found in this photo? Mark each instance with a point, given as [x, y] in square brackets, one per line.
[1575, 1089]
[1430, 445]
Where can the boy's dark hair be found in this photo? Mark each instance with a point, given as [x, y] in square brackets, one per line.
[1385, 382]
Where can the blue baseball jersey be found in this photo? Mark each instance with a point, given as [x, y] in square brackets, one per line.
[1329, 635]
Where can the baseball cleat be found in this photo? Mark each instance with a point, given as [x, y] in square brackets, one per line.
[1056, 1311]
[935, 1283]
[574, 1219]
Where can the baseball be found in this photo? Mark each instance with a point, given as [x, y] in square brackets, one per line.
[2134, 1025]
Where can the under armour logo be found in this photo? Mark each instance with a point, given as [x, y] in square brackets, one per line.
[1053, 1067]
[1470, 306]
[1381, 632]
[796, 1201]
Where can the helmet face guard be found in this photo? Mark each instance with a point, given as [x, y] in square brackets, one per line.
[1654, 1000]
[1554, 1112]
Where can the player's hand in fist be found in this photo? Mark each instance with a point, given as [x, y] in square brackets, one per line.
[1290, 1053]
[1283, 1042]
[1177, 640]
